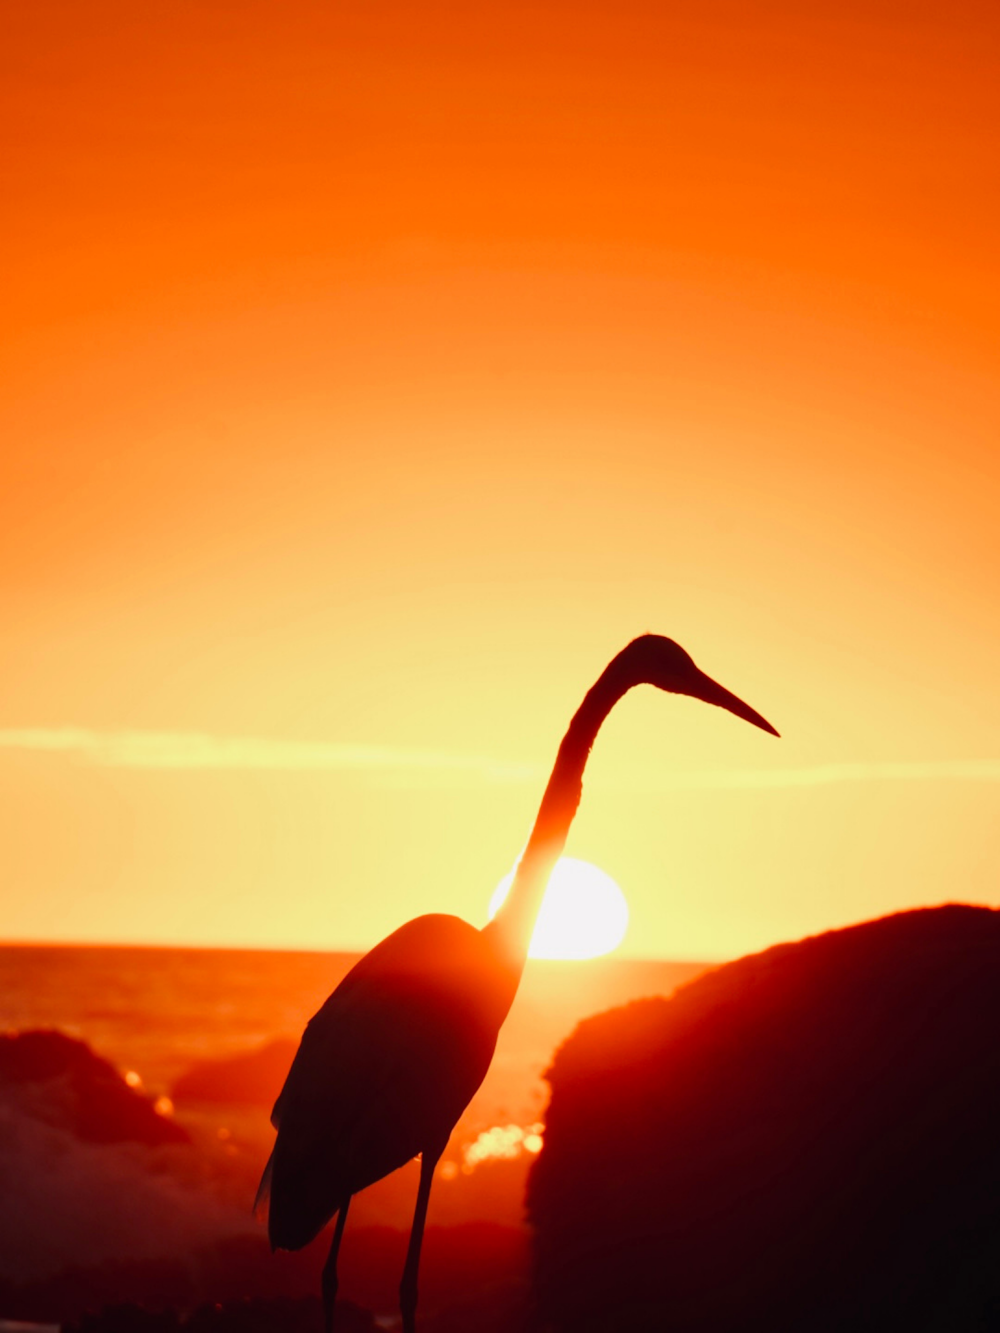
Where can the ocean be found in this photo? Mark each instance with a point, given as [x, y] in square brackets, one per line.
[160, 1011]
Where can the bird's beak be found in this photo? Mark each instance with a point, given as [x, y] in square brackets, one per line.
[713, 693]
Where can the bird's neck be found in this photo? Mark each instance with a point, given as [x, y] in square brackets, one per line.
[510, 930]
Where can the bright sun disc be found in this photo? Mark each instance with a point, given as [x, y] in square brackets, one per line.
[584, 912]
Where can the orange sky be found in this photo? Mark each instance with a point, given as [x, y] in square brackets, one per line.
[372, 373]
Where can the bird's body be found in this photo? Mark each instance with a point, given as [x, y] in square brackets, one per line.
[388, 1064]
[415, 1022]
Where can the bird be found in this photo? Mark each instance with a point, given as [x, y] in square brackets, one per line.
[388, 1064]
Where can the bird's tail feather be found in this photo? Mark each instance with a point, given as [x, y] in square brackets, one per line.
[260, 1203]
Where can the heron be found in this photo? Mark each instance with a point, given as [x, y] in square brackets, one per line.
[388, 1064]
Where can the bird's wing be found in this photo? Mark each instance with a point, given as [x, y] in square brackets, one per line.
[340, 1046]
[368, 1069]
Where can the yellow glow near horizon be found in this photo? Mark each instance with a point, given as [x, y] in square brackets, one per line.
[583, 915]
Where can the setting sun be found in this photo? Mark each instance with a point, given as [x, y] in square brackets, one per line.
[584, 913]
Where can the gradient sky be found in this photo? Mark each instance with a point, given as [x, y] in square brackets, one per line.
[372, 373]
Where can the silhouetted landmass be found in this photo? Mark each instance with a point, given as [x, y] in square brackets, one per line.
[229, 1270]
[64, 1083]
[499, 1313]
[806, 1140]
[478, 1267]
[303, 1314]
[250, 1079]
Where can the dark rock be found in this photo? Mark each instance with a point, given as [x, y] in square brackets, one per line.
[802, 1140]
[253, 1079]
[62, 1081]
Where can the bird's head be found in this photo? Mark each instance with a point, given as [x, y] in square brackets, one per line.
[654, 660]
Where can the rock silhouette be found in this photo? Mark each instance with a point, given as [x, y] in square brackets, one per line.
[253, 1078]
[62, 1081]
[806, 1139]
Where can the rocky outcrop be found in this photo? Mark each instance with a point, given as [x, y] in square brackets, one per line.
[806, 1139]
[62, 1082]
[253, 1078]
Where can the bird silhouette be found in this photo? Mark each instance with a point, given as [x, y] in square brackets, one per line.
[391, 1060]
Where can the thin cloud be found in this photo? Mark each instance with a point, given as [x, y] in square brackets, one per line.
[198, 750]
[822, 775]
[180, 751]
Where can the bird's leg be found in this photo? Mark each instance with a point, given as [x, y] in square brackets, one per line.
[408, 1286]
[329, 1279]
